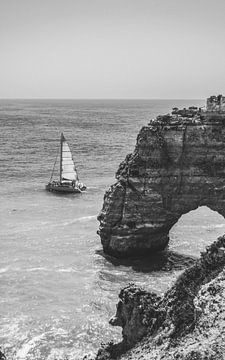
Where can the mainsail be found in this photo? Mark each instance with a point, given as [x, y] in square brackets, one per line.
[68, 171]
[68, 182]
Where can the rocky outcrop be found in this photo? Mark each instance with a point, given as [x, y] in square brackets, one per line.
[178, 165]
[188, 323]
[136, 313]
[2, 356]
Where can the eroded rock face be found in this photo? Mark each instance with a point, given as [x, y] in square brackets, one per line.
[187, 323]
[178, 165]
[2, 356]
[136, 313]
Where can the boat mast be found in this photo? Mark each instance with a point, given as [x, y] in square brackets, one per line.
[60, 171]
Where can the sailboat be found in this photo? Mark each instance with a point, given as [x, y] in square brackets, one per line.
[68, 177]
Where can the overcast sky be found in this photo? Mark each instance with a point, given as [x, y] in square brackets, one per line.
[112, 48]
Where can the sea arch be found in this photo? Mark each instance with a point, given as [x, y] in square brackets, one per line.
[137, 222]
[195, 230]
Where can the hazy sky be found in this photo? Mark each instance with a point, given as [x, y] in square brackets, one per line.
[112, 48]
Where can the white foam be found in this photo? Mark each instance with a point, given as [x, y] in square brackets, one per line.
[26, 347]
[67, 270]
[46, 224]
[56, 354]
[3, 270]
[11, 328]
[83, 218]
[38, 269]
[202, 226]
[218, 226]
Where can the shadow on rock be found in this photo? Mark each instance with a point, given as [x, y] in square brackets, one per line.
[161, 261]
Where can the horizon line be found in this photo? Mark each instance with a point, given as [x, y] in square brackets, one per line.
[70, 98]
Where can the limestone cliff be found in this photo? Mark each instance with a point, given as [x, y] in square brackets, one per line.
[188, 323]
[178, 165]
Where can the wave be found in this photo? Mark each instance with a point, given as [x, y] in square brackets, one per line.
[26, 347]
[47, 224]
[214, 226]
[67, 270]
[83, 218]
[37, 269]
[93, 188]
[3, 270]
[203, 226]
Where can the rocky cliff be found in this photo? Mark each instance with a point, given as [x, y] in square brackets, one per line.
[188, 323]
[178, 165]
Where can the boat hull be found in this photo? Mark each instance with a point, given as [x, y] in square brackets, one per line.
[63, 189]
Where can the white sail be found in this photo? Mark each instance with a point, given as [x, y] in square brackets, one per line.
[68, 168]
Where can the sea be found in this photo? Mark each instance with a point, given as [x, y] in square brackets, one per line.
[58, 289]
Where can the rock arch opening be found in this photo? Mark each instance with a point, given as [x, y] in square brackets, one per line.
[195, 230]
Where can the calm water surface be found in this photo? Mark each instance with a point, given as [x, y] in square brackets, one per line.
[57, 290]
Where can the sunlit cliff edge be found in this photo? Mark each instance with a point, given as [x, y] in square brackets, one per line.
[178, 164]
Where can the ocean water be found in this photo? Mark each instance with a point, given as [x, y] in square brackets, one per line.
[58, 291]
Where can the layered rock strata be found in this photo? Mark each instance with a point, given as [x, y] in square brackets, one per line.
[187, 323]
[178, 165]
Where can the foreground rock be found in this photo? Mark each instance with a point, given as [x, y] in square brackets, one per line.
[2, 356]
[188, 323]
[178, 165]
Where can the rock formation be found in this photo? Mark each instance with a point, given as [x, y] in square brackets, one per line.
[2, 356]
[178, 165]
[188, 323]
